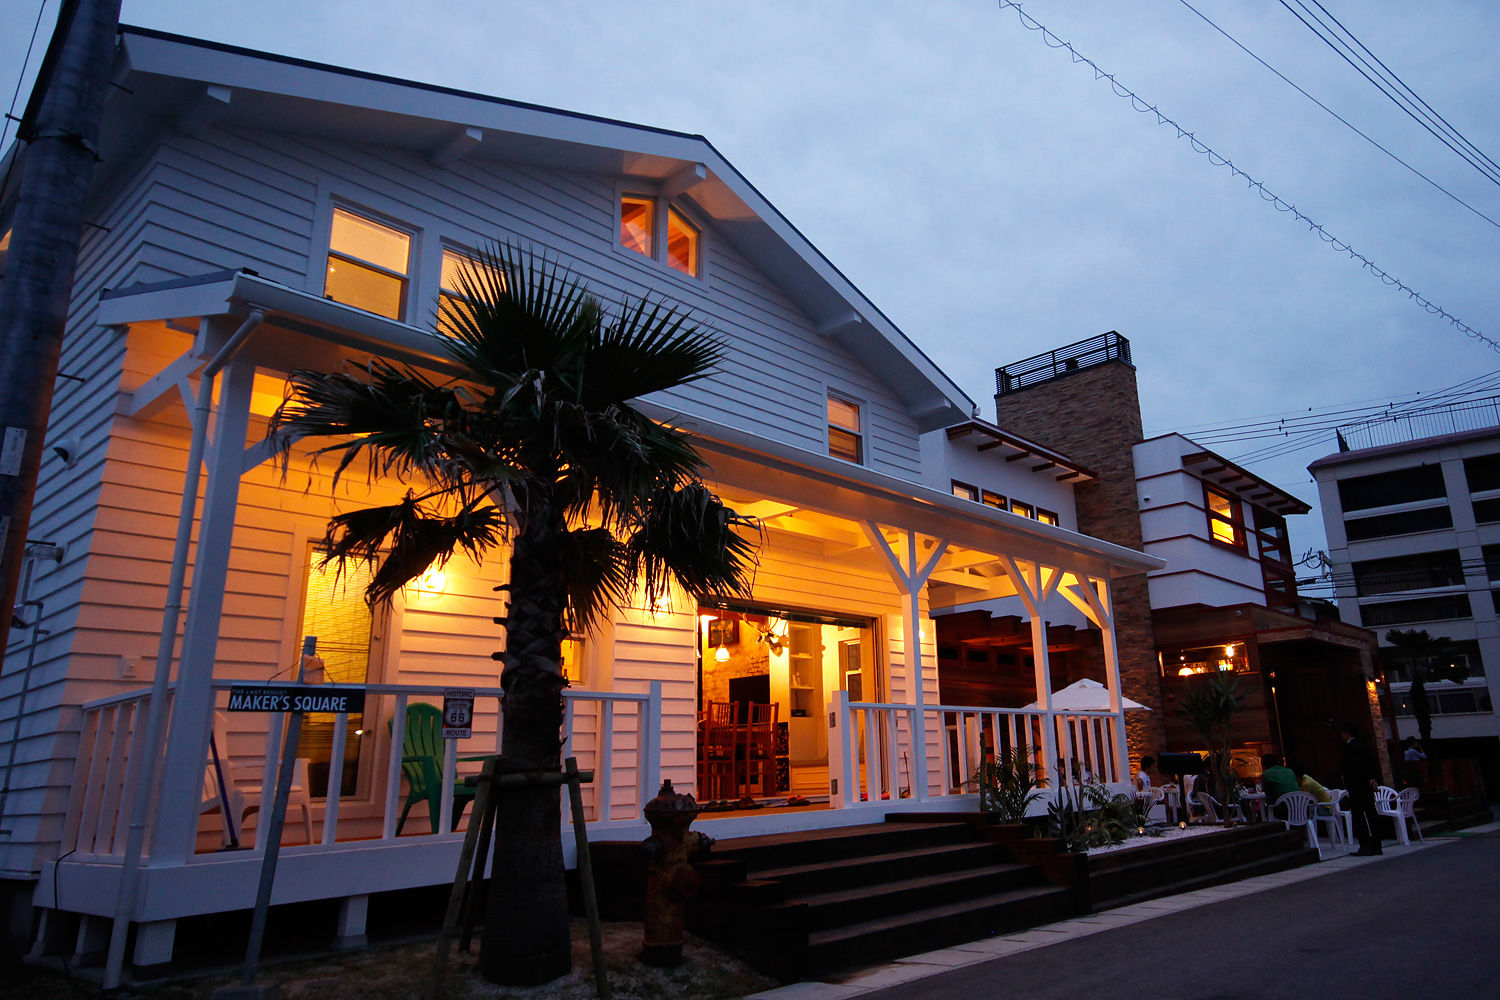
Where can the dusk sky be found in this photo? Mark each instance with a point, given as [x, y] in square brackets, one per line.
[996, 200]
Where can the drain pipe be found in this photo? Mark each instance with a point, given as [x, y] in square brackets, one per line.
[140, 799]
[34, 551]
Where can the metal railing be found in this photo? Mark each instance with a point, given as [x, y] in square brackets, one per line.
[1063, 361]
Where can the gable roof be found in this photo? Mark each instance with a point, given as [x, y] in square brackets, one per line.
[175, 81]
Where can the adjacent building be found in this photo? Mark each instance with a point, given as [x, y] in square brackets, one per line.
[1414, 539]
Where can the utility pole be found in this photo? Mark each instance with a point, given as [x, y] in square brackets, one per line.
[61, 132]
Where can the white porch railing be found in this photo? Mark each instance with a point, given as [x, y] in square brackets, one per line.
[616, 734]
[872, 757]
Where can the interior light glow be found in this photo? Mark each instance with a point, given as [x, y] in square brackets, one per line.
[721, 655]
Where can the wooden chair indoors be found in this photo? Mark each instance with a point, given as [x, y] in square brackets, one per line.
[716, 751]
[757, 756]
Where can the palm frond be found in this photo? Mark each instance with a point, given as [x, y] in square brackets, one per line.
[596, 574]
[648, 348]
[404, 538]
[687, 534]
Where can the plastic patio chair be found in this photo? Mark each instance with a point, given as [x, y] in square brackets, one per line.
[240, 793]
[422, 763]
[1301, 811]
[1336, 797]
[1400, 807]
[1214, 809]
[1330, 814]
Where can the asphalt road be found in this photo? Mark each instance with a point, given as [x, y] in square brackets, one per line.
[1426, 925]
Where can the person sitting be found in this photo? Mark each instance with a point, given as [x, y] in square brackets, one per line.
[1143, 776]
[1309, 784]
[1276, 779]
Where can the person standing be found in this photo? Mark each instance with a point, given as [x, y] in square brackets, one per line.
[1361, 777]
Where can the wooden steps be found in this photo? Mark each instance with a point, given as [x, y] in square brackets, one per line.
[1132, 876]
[812, 902]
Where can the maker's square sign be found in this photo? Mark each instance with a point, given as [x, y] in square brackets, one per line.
[295, 698]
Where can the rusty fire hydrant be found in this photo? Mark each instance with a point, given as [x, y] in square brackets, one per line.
[670, 879]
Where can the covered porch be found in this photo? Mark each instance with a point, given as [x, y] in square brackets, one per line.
[160, 820]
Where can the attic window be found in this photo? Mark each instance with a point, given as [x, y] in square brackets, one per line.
[648, 225]
[368, 264]
[1046, 516]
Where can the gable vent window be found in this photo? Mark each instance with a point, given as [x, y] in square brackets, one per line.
[646, 229]
[844, 437]
[368, 264]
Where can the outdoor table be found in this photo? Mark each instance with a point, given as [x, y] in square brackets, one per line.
[1256, 801]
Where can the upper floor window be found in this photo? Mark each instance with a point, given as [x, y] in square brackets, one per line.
[1021, 509]
[992, 500]
[1046, 516]
[964, 491]
[1224, 522]
[641, 225]
[1384, 489]
[845, 440]
[368, 264]
[451, 298]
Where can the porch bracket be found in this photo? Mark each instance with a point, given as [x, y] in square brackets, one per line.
[154, 394]
[1034, 589]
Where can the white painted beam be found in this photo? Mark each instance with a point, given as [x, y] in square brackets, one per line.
[205, 111]
[684, 180]
[454, 148]
[153, 395]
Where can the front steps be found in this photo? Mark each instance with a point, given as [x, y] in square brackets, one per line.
[1174, 866]
[814, 902]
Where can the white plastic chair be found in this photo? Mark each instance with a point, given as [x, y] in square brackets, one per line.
[1337, 806]
[1300, 812]
[1154, 797]
[1329, 813]
[1400, 807]
[1213, 808]
[242, 796]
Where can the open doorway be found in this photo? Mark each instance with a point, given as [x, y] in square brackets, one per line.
[760, 666]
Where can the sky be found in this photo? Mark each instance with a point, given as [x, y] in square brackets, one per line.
[996, 200]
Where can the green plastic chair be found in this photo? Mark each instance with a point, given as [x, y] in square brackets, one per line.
[422, 763]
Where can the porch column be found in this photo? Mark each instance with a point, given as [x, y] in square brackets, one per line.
[175, 831]
[910, 578]
[1092, 596]
[1033, 587]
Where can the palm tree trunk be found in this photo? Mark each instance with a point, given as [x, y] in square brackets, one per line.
[526, 939]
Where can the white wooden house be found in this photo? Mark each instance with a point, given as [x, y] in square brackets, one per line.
[253, 214]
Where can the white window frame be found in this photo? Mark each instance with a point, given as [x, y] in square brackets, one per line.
[833, 392]
[658, 255]
[413, 253]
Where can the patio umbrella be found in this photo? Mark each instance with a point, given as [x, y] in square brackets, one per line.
[1085, 696]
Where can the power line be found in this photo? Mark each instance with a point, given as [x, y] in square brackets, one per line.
[1341, 119]
[1144, 107]
[1428, 118]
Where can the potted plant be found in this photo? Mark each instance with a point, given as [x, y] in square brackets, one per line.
[1007, 786]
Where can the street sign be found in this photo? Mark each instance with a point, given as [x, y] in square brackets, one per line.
[458, 713]
[295, 698]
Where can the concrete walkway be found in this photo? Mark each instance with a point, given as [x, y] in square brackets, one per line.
[932, 963]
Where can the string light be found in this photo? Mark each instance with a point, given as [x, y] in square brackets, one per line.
[1139, 104]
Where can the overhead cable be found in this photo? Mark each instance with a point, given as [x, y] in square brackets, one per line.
[1144, 107]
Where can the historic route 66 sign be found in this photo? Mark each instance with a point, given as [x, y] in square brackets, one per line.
[458, 713]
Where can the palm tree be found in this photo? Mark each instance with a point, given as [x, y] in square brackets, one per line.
[1211, 705]
[536, 446]
[1425, 658]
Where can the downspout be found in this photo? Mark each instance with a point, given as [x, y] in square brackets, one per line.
[172, 612]
[34, 551]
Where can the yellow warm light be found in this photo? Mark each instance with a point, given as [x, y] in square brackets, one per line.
[721, 655]
[432, 581]
[1229, 650]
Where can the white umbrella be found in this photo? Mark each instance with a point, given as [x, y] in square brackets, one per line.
[1085, 696]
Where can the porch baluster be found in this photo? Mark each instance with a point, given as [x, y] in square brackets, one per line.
[94, 787]
[649, 745]
[335, 778]
[393, 768]
[113, 775]
[946, 756]
[450, 765]
[603, 760]
[135, 759]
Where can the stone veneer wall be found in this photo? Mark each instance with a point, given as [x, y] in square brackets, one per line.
[1094, 417]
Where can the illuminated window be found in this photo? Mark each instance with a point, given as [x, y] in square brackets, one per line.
[844, 438]
[964, 491]
[993, 500]
[682, 243]
[368, 263]
[638, 225]
[1046, 516]
[450, 298]
[1224, 524]
[1022, 509]
[334, 610]
[572, 660]
[647, 230]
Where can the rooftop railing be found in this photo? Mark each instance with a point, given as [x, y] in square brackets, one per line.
[1063, 361]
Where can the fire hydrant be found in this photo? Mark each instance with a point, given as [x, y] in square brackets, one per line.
[670, 879]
